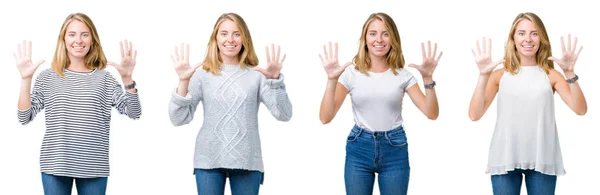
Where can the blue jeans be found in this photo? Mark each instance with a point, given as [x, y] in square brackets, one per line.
[60, 185]
[537, 183]
[242, 182]
[382, 152]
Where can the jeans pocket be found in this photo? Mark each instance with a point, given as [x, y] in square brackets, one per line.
[352, 136]
[397, 139]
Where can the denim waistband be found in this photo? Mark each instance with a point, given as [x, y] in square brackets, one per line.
[362, 131]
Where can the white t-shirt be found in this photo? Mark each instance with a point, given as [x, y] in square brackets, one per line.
[377, 98]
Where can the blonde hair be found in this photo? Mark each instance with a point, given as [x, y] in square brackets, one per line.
[94, 59]
[512, 60]
[394, 57]
[247, 56]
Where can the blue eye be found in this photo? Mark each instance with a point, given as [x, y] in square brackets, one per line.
[385, 34]
[237, 34]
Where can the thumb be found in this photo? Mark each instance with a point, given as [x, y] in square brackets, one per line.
[552, 58]
[38, 63]
[347, 64]
[260, 70]
[499, 62]
[111, 64]
[413, 66]
[197, 65]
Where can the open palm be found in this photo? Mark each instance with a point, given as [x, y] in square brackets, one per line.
[181, 62]
[483, 57]
[23, 58]
[331, 64]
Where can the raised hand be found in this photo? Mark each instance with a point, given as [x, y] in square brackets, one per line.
[23, 58]
[181, 62]
[330, 62]
[430, 61]
[128, 55]
[483, 58]
[569, 56]
[273, 63]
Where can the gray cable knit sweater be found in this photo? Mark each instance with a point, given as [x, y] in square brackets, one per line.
[229, 135]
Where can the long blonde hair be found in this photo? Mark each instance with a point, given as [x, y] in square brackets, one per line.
[212, 61]
[512, 61]
[94, 59]
[394, 57]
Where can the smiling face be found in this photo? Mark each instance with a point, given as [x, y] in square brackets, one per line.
[78, 39]
[377, 39]
[229, 41]
[527, 41]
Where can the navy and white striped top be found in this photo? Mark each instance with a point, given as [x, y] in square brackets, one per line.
[78, 112]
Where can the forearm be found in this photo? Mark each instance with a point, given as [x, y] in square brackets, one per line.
[25, 95]
[431, 101]
[578, 102]
[182, 88]
[477, 104]
[327, 109]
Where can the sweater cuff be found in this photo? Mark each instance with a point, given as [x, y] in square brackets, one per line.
[180, 100]
[276, 83]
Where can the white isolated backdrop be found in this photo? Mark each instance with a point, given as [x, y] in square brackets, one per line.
[302, 156]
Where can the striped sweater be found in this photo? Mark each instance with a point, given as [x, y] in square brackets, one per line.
[77, 112]
[229, 135]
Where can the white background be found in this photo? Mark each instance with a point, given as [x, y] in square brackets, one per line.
[302, 156]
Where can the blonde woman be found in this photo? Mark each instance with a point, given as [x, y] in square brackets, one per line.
[230, 87]
[376, 85]
[525, 140]
[77, 95]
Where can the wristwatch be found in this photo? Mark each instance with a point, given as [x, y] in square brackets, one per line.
[430, 86]
[130, 86]
[572, 80]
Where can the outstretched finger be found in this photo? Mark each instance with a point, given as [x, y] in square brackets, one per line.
[335, 54]
[198, 65]
[484, 45]
[175, 55]
[569, 43]
[129, 47]
[173, 60]
[282, 59]
[428, 48]
[478, 48]
[574, 44]
[181, 56]
[440, 56]
[320, 57]
[278, 53]
[434, 50]
[562, 44]
[272, 51]
[489, 49]
[29, 49]
[20, 50]
[423, 50]
[187, 52]
[347, 64]
[267, 52]
[121, 48]
[580, 48]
